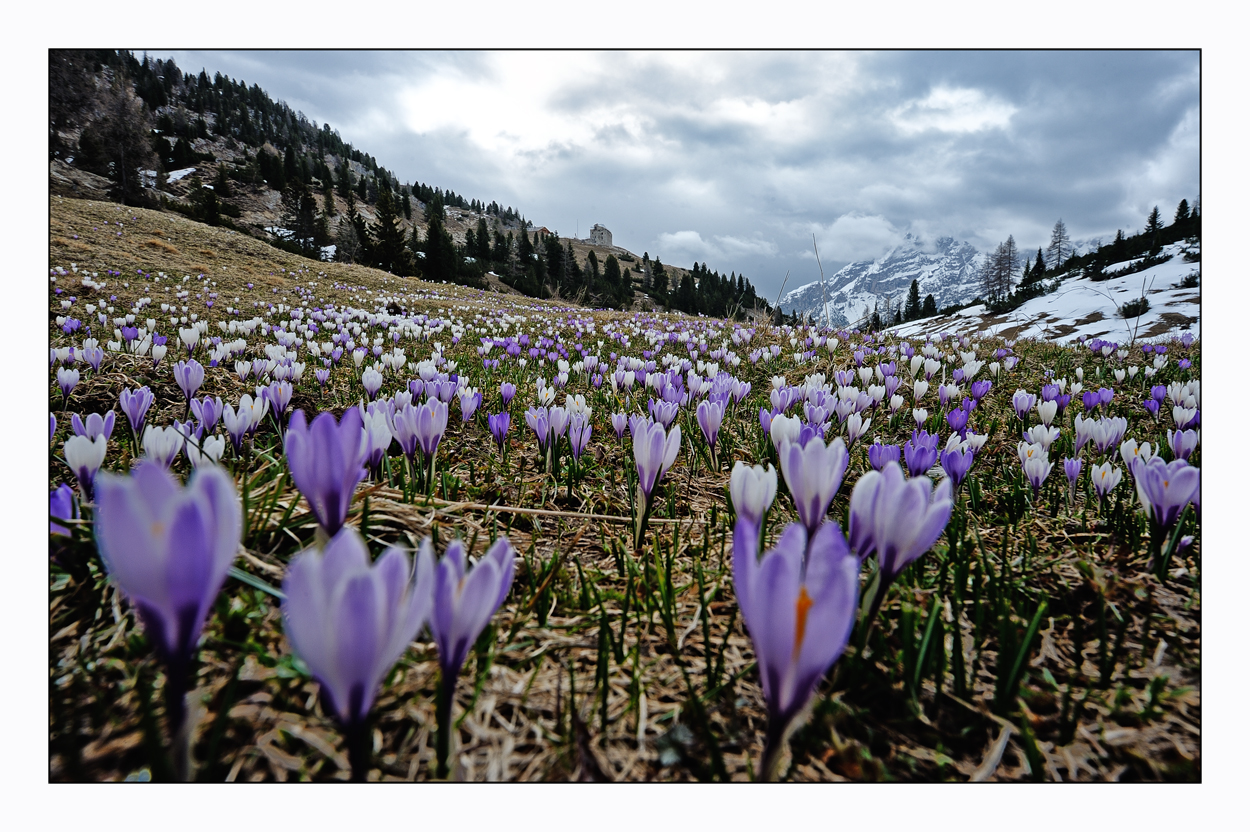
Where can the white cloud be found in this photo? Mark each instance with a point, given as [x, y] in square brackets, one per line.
[952, 110]
[854, 236]
[682, 247]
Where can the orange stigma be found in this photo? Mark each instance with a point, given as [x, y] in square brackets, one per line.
[800, 617]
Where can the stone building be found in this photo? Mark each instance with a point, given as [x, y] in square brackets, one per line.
[600, 236]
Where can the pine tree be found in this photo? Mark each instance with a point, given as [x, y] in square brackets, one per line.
[1182, 212]
[929, 308]
[117, 144]
[222, 183]
[300, 217]
[345, 185]
[1007, 265]
[346, 243]
[1060, 248]
[327, 197]
[911, 311]
[659, 281]
[1154, 225]
[389, 250]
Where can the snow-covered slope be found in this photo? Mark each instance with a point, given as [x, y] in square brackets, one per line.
[1082, 307]
[945, 268]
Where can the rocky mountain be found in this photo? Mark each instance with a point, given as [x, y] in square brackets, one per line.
[945, 267]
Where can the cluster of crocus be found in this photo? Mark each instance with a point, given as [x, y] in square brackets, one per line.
[920, 452]
[169, 549]
[897, 519]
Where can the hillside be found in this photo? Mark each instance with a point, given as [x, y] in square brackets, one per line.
[1082, 308]
[145, 134]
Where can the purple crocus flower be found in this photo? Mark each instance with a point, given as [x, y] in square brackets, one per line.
[538, 420]
[1182, 443]
[323, 375]
[958, 420]
[1072, 469]
[798, 602]
[350, 621]
[207, 410]
[766, 420]
[327, 462]
[404, 429]
[506, 391]
[1164, 489]
[93, 356]
[897, 519]
[662, 411]
[169, 548]
[619, 423]
[134, 405]
[879, 454]
[1090, 399]
[97, 425]
[499, 424]
[470, 400]
[920, 452]
[813, 473]
[465, 599]
[61, 505]
[579, 434]
[956, 463]
[66, 379]
[279, 394]
[654, 453]
[1023, 402]
[979, 389]
[189, 375]
[431, 425]
[710, 414]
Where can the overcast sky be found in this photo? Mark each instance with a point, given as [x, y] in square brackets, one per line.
[737, 158]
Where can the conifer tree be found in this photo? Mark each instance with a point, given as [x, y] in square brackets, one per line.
[1154, 225]
[911, 311]
[1060, 248]
[389, 250]
[929, 308]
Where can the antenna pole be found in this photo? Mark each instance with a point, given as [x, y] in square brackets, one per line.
[823, 303]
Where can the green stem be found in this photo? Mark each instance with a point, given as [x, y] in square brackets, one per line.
[446, 694]
[357, 736]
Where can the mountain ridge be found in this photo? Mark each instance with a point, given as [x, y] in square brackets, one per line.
[943, 267]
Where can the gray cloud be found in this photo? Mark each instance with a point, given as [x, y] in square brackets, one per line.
[737, 158]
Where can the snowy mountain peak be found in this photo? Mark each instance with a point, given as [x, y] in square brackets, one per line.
[944, 267]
